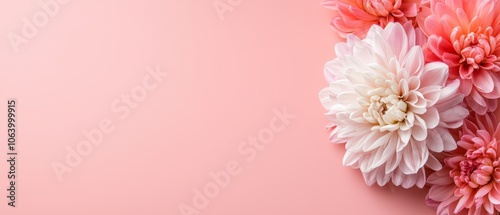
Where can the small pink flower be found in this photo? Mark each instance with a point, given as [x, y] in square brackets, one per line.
[389, 106]
[465, 34]
[470, 181]
[357, 16]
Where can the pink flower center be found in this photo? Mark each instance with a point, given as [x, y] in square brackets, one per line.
[476, 50]
[474, 173]
[383, 8]
[476, 167]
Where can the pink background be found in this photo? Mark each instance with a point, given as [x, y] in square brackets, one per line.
[225, 79]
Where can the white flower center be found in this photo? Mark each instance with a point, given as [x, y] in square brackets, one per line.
[389, 109]
[386, 106]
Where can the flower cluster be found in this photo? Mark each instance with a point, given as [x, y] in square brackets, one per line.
[412, 94]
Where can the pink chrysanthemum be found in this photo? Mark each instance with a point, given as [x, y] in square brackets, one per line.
[389, 107]
[469, 183]
[465, 34]
[357, 16]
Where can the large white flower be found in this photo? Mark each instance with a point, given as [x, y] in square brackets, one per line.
[390, 108]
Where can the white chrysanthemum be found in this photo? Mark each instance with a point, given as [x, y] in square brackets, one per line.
[389, 107]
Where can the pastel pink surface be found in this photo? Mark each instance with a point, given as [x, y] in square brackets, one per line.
[225, 80]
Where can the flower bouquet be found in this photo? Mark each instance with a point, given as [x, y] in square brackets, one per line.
[412, 93]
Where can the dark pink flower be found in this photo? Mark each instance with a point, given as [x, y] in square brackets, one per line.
[465, 34]
[357, 16]
[469, 182]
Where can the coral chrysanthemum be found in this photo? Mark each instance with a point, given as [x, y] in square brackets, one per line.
[389, 107]
[469, 183]
[357, 16]
[465, 34]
